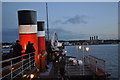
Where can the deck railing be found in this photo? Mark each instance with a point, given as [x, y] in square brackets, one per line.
[16, 67]
[95, 63]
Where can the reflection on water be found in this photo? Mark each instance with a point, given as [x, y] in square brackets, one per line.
[107, 52]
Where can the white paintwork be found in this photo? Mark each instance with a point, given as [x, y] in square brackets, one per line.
[23, 29]
[41, 33]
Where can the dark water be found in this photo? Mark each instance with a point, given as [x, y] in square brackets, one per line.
[107, 52]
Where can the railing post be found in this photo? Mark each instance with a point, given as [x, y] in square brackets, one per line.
[29, 62]
[96, 66]
[22, 65]
[11, 69]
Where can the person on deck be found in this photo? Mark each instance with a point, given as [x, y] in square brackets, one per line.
[30, 48]
[17, 48]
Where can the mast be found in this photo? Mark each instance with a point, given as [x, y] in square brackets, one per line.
[47, 22]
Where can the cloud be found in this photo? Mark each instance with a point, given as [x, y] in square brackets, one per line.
[72, 20]
[76, 20]
[57, 22]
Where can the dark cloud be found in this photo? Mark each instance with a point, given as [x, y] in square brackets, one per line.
[73, 20]
[57, 22]
[76, 20]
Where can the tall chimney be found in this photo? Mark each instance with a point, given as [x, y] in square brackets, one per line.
[97, 37]
[28, 29]
[41, 36]
[41, 45]
[90, 37]
[94, 38]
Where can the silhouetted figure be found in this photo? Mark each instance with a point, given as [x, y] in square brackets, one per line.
[30, 48]
[17, 48]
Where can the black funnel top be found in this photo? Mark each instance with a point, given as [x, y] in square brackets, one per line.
[27, 17]
[40, 26]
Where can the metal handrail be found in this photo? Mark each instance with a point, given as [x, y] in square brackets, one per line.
[95, 63]
[21, 64]
[97, 58]
[14, 58]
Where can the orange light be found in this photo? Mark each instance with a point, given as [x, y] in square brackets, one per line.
[38, 57]
[13, 68]
[24, 75]
[25, 47]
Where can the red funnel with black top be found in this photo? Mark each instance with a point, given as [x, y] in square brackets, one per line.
[28, 29]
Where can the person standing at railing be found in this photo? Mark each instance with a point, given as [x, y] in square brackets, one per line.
[30, 48]
[17, 48]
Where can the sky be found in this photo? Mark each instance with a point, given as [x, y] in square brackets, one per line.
[71, 20]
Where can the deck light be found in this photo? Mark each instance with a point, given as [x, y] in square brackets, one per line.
[65, 51]
[24, 75]
[32, 76]
[87, 48]
[79, 47]
[13, 68]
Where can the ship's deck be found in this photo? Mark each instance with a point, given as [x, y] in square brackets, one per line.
[71, 72]
[82, 71]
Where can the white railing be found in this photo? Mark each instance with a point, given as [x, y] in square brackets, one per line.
[16, 67]
[95, 63]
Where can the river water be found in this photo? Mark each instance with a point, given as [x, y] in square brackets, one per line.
[107, 52]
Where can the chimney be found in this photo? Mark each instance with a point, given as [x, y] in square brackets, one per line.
[27, 20]
[41, 36]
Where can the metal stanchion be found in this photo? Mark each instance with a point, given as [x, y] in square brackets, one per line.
[22, 65]
[29, 62]
[11, 69]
